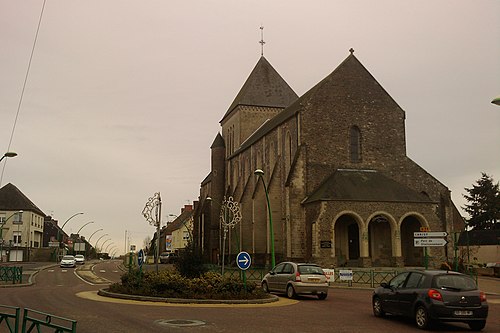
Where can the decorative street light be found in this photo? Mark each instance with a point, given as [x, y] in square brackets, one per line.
[102, 245]
[230, 215]
[496, 100]
[1, 230]
[154, 203]
[106, 249]
[260, 174]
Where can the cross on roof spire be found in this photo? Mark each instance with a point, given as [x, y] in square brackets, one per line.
[262, 40]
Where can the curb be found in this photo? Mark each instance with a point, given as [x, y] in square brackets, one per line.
[106, 293]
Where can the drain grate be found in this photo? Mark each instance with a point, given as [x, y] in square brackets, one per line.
[179, 322]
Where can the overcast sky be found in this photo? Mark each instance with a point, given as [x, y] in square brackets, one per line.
[124, 98]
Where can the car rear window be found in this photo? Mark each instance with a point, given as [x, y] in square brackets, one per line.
[310, 269]
[456, 282]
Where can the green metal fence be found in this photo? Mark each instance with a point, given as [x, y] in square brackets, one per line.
[9, 317]
[11, 273]
[33, 321]
[365, 278]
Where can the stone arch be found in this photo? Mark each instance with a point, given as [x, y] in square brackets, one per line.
[347, 242]
[410, 223]
[383, 232]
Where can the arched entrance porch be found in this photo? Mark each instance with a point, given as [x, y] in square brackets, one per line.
[380, 241]
[347, 241]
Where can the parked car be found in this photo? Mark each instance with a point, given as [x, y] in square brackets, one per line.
[168, 257]
[296, 279]
[80, 259]
[430, 296]
[68, 261]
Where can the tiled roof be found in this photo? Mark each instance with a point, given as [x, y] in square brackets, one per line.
[11, 198]
[364, 185]
[264, 87]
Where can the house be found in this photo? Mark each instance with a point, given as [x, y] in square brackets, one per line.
[335, 185]
[176, 235]
[21, 225]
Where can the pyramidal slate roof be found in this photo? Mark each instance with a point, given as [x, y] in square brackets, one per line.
[364, 185]
[343, 83]
[264, 87]
[11, 198]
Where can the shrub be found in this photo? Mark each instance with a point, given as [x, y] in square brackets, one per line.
[171, 284]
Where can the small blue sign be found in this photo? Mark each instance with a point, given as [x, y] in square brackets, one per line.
[140, 257]
[243, 260]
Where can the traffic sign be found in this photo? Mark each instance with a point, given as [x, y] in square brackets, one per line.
[140, 257]
[430, 234]
[422, 242]
[243, 260]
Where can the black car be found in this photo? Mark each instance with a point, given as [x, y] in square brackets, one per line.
[431, 296]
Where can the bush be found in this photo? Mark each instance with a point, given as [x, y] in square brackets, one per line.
[190, 262]
[171, 284]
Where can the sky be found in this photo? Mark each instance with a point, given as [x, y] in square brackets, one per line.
[123, 98]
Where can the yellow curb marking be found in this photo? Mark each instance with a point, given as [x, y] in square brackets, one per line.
[93, 296]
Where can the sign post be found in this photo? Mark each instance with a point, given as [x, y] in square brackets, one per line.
[422, 239]
[243, 261]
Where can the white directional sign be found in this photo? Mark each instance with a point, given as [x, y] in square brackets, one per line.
[422, 242]
[430, 234]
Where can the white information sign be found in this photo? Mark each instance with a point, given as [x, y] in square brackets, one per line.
[345, 274]
[430, 234]
[423, 242]
[330, 275]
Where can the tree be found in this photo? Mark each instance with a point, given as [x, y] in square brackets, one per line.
[484, 204]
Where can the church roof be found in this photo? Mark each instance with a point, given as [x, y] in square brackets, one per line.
[350, 81]
[11, 198]
[264, 87]
[218, 142]
[364, 185]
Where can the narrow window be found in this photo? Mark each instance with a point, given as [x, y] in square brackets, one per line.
[355, 144]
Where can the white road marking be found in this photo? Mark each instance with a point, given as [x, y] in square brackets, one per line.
[102, 271]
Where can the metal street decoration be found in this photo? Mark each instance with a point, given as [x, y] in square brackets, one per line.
[153, 218]
[230, 215]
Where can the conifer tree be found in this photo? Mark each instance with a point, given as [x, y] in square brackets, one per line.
[483, 204]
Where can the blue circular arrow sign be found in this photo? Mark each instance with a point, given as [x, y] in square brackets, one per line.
[243, 260]
[140, 257]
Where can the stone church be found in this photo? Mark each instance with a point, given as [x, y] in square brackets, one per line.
[341, 189]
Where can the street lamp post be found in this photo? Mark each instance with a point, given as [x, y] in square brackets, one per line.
[107, 240]
[8, 154]
[97, 242]
[60, 229]
[88, 241]
[1, 231]
[260, 174]
[78, 233]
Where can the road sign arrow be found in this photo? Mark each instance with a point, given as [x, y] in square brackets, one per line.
[243, 260]
[430, 234]
[422, 242]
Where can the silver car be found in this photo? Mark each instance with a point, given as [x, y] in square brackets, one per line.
[296, 279]
[68, 261]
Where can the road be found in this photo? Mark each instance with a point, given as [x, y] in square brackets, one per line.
[61, 292]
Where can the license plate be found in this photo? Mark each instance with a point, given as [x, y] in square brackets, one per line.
[313, 280]
[463, 313]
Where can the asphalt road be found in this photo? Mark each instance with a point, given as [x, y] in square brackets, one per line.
[61, 292]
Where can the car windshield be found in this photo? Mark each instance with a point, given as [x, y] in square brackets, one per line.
[68, 258]
[310, 269]
[79, 256]
[455, 282]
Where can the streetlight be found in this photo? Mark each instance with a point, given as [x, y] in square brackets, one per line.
[8, 154]
[496, 100]
[88, 241]
[106, 249]
[78, 232]
[259, 173]
[1, 230]
[102, 245]
[99, 240]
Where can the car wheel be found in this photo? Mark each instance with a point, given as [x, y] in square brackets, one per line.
[290, 292]
[377, 307]
[322, 296]
[422, 318]
[265, 288]
[477, 325]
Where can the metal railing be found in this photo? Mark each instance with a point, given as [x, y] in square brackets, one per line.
[11, 273]
[365, 278]
[10, 316]
[33, 321]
